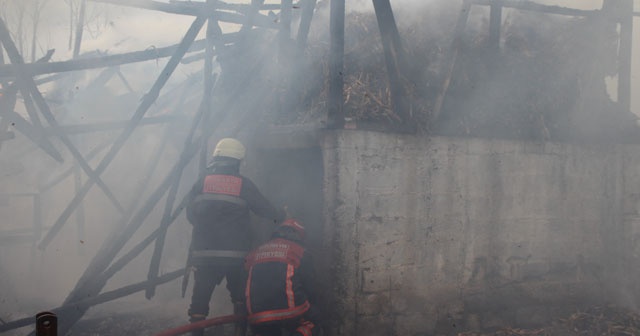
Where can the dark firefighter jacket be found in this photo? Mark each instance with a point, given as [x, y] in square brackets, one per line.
[280, 280]
[219, 210]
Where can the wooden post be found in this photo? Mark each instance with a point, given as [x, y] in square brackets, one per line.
[626, 53]
[89, 302]
[335, 118]
[22, 83]
[285, 28]
[148, 100]
[528, 5]
[205, 110]
[80, 217]
[14, 70]
[28, 87]
[79, 29]
[451, 59]
[395, 60]
[495, 23]
[196, 9]
[37, 218]
[308, 6]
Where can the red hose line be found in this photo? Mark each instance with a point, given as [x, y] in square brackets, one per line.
[201, 324]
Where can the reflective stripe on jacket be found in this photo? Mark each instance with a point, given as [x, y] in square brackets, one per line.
[274, 289]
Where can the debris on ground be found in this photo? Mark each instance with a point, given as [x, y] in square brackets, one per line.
[594, 321]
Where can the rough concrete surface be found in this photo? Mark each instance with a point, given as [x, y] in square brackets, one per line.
[432, 235]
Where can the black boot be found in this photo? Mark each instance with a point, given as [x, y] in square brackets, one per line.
[197, 318]
[240, 309]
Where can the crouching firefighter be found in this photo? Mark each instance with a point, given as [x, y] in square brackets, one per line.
[280, 292]
[219, 211]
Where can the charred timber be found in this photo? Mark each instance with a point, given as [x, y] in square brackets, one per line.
[7, 136]
[23, 84]
[495, 23]
[154, 266]
[93, 280]
[102, 298]
[53, 182]
[335, 117]
[308, 6]
[395, 60]
[107, 126]
[148, 100]
[34, 69]
[451, 59]
[92, 174]
[194, 9]
[34, 134]
[536, 7]
[625, 52]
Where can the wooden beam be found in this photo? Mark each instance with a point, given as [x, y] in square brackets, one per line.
[193, 9]
[395, 60]
[7, 135]
[90, 283]
[335, 118]
[308, 7]
[79, 29]
[495, 23]
[54, 181]
[23, 85]
[107, 126]
[93, 301]
[213, 30]
[153, 163]
[34, 69]
[625, 56]
[536, 7]
[92, 174]
[32, 133]
[452, 56]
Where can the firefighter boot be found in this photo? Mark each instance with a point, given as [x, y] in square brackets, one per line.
[197, 318]
[240, 309]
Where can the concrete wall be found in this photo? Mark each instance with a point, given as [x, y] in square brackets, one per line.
[438, 234]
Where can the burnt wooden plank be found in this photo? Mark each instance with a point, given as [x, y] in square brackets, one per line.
[394, 58]
[536, 7]
[22, 83]
[495, 23]
[148, 100]
[95, 300]
[33, 69]
[194, 9]
[451, 59]
[308, 7]
[335, 117]
[90, 283]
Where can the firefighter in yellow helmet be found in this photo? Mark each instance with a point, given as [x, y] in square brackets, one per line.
[220, 214]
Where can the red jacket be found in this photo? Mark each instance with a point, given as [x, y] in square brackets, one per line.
[280, 276]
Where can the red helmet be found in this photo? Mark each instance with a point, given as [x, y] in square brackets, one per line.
[294, 225]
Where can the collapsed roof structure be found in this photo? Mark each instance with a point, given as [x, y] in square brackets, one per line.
[265, 57]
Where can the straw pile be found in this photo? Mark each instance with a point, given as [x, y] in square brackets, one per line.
[547, 81]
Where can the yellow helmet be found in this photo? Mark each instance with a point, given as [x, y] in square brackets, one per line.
[229, 147]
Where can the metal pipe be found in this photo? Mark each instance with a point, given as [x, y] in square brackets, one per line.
[151, 96]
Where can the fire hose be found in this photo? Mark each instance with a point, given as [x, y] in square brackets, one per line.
[201, 325]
